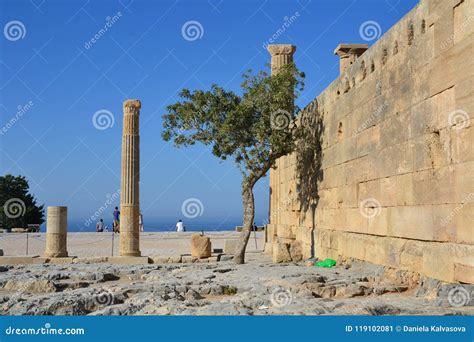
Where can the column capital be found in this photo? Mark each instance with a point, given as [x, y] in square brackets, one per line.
[348, 53]
[132, 103]
[281, 49]
[343, 50]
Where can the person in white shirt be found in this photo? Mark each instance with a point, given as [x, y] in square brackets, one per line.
[180, 226]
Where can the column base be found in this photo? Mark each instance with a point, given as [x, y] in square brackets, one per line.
[131, 254]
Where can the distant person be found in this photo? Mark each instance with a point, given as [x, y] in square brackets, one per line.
[99, 227]
[180, 226]
[140, 221]
[116, 223]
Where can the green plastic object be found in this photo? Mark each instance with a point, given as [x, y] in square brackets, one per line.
[327, 263]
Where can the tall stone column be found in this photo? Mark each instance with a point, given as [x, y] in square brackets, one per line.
[129, 184]
[282, 54]
[56, 232]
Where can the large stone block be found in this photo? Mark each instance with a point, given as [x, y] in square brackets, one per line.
[281, 252]
[200, 246]
[125, 260]
[296, 251]
[18, 260]
[464, 273]
[412, 222]
[230, 245]
[438, 261]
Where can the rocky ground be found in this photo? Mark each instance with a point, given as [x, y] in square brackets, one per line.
[256, 288]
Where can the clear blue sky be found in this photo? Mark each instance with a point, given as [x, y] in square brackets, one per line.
[144, 55]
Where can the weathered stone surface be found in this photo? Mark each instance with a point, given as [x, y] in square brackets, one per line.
[17, 260]
[229, 246]
[281, 252]
[124, 260]
[395, 180]
[296, 252]
[200, 246]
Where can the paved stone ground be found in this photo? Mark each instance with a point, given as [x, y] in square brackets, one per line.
[257, 288]
[100, 244]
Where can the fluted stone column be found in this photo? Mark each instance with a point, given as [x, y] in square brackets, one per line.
[282, 54]
[129, 185]
[56, 232]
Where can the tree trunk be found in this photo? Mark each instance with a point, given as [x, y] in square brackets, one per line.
[249, 214]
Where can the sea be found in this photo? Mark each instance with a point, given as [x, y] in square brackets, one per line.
[163, 225]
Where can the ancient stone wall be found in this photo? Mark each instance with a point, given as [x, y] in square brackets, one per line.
[395, 185]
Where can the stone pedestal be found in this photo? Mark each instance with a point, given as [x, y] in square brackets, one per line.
[56, 232]
[130, 177]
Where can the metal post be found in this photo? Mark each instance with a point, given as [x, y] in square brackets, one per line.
[255, 236]
[27, 235]
[113, 237]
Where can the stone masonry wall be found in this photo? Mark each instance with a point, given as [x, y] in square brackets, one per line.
[396, 183]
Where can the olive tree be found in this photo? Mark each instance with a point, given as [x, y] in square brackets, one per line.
[253, 129]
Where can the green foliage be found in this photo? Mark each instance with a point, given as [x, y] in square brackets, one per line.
[254, 129]
[19, 208]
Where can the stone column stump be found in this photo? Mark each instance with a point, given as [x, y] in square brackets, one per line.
[56, 233]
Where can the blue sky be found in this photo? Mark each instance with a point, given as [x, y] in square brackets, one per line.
[60, 78]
